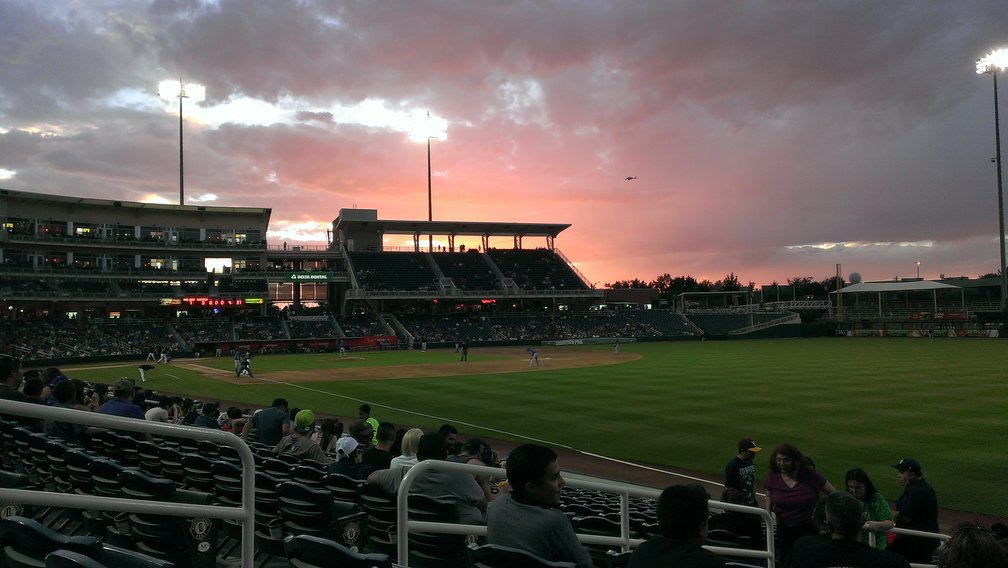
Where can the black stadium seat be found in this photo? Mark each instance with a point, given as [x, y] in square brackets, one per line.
[304, 551]
[116, 557]
[305, 510]
[71, 559]
[25, 543]
[494, 556]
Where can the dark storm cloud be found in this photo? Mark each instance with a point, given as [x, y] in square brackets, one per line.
[754, 127]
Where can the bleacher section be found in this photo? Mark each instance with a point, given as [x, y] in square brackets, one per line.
[452, 328]
[318, 328]
[260, 328]
[135, 336]
[292, 497]
[537, 269]
[668, 323]
[393, 271]
[468, 270]
[714, 324]
[194, 330]
[361, 326]
[65, 338]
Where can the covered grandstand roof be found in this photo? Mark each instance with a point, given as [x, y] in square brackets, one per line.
[473, 228]
[69, 200]
[901, 286]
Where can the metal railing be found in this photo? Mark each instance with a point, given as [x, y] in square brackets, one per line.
[245, 514]
[624, 541]
[942, 538]
[790, 318]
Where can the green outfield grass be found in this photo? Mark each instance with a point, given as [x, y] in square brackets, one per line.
[845, 402]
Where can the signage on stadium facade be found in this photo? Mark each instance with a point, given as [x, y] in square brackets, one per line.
[308, 276]
[212, 302]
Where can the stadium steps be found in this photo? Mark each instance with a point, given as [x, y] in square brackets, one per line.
[788, 318]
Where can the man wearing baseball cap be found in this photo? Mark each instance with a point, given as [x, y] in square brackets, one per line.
[348, 459]
[740, 473]
[917, 509]
[299, 442]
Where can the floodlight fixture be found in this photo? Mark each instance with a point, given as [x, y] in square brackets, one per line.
[427, 128]
[994, 61]
[172, 89]
[991, 63]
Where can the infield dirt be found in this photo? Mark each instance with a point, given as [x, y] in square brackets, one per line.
[506, 360]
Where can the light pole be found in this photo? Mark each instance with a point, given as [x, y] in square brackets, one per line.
[992, 63]
[428, 128]
[172, 89]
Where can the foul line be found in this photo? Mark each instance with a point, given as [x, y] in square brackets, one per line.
[415, 413]
[494, 430]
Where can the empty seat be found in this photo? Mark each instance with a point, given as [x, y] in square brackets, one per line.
[25, 543]
[434, 549]
[380, 522]
[597, 525]
[304, 510]
[305, 551]
[343, 487]
[71, 559]
[494, 556]
[198, 473]
[184, 542]
[116, 557]
[310, 475]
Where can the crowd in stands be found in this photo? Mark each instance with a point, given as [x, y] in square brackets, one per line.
[361, 326]
[300, 329]
[260, 327]
[453, 328]
[529, 508]
[53, 338]
[195, 330]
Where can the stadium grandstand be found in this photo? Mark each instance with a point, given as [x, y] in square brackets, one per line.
[201, 278]
[193, 279]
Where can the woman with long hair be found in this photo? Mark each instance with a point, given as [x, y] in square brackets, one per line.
[793, 488]
[410, 444]
[327, 436]
[877, 515]
[971, 546]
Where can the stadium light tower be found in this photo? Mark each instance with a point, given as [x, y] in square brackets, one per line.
[991, 63]
[429, 128]
[172, 89]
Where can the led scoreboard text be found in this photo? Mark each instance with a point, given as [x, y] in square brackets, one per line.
[212, 302]
[208, 302]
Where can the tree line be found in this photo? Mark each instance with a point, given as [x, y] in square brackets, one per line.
[669, 286]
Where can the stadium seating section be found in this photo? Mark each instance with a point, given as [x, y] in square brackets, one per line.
[393, 271]
[538, 269]
[301, 510]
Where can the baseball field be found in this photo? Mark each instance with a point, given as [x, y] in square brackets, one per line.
[844, 402]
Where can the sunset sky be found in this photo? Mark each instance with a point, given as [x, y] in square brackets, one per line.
[771, 139]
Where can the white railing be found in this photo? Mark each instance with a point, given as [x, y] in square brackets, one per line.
[245, 513]
[624, 542]
[942, 538]
[790, 318]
